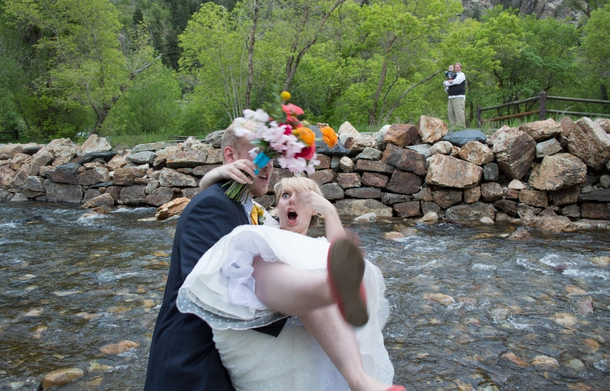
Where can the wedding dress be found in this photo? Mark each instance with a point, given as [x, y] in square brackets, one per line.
[220, 290]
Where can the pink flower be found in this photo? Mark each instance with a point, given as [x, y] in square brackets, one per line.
[292, 111]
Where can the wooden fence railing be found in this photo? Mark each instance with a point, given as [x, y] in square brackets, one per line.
[9, 135]
[543, 111]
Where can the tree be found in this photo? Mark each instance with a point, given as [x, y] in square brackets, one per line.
[81, 47]
[595, 45]
[215, 53]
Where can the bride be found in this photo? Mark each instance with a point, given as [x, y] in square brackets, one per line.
[255, 275]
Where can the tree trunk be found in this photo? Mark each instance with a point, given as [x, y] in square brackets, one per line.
[251, 42]
[386, 118]
[295, 56]
[102, 112]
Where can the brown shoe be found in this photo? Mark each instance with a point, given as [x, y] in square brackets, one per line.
[345, 273]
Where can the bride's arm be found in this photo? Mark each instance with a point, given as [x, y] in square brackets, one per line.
[240, 171]
[332, 221]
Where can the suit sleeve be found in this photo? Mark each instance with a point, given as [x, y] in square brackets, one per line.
[210, 219]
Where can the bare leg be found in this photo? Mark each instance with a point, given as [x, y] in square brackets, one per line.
[290, 290]
[297, 292]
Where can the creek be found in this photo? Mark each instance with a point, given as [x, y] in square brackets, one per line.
[471, 308]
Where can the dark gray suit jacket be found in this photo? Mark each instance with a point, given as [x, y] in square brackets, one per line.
[182, 352]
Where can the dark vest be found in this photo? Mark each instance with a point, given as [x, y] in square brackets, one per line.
[457, 89]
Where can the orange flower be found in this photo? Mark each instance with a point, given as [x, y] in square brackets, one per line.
[329, 136]
[306, 135]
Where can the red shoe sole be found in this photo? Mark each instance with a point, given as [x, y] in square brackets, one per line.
[345, 273]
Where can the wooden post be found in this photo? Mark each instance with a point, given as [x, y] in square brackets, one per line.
[542, 105]
[478, 115]
[16, 134]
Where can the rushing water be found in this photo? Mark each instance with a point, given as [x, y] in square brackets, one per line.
[471, 309]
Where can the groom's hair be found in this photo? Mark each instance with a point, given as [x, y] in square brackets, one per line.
[229, 139]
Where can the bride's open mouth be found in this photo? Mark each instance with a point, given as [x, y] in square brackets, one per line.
[292, 216]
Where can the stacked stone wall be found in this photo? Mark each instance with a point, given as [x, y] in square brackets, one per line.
[546, 174]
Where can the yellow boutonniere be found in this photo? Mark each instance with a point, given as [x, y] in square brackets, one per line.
[260, 215]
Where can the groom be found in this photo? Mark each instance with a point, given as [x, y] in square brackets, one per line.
[182, 352]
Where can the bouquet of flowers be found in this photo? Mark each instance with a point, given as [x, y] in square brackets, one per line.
[278, 133]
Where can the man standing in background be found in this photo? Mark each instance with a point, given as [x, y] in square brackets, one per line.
[456, 105]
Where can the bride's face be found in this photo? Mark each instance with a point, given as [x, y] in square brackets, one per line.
[295, 215]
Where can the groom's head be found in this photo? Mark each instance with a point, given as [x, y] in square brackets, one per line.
[235, 148]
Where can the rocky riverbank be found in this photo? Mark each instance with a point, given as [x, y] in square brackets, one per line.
[545, 174]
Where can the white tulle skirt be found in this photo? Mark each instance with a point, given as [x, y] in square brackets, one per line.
[220, 290]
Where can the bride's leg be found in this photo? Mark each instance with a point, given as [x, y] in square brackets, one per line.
[290, 290]
[338, 340]
[298, 292]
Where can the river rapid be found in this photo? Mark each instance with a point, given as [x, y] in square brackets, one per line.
[471, 308]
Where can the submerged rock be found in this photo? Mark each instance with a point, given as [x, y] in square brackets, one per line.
[61, 377]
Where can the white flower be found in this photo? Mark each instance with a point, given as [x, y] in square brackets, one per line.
[258, 115]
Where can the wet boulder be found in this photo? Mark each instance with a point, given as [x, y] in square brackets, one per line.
[61, 377]
[172, 208]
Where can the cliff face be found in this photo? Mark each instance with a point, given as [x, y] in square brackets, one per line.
[541, 8]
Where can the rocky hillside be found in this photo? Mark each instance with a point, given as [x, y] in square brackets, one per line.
[541, 8]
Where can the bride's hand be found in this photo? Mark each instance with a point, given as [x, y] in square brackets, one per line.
[241, 171]
[317, 202]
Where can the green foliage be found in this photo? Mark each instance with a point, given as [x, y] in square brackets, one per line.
[150, 106]
[595, 41]
[74, 66]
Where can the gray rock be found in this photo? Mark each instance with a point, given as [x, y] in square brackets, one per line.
[149, 147]
[465, 136]
[491, 172]
[601, 195]
[339, 149]
[471, 213]
[144, 157]
[423, 149]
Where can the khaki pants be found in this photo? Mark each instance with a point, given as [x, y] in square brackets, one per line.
[456, 108]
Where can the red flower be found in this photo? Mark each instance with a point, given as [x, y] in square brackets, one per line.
[287, 129]
[307, 153]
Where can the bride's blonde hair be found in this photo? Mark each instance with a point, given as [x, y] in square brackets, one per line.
[297, 184]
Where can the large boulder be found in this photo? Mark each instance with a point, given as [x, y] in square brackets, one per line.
[431, 129]
[515, 151]
[360, 207]
[7, 151]
[542, 130]
[65, 173]
[471, 213]
[401, 135]
[448, 171]
[95, 144]
[476, 153]
[172, 178]
[589, 142]
[558, 172]
[60, 192]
